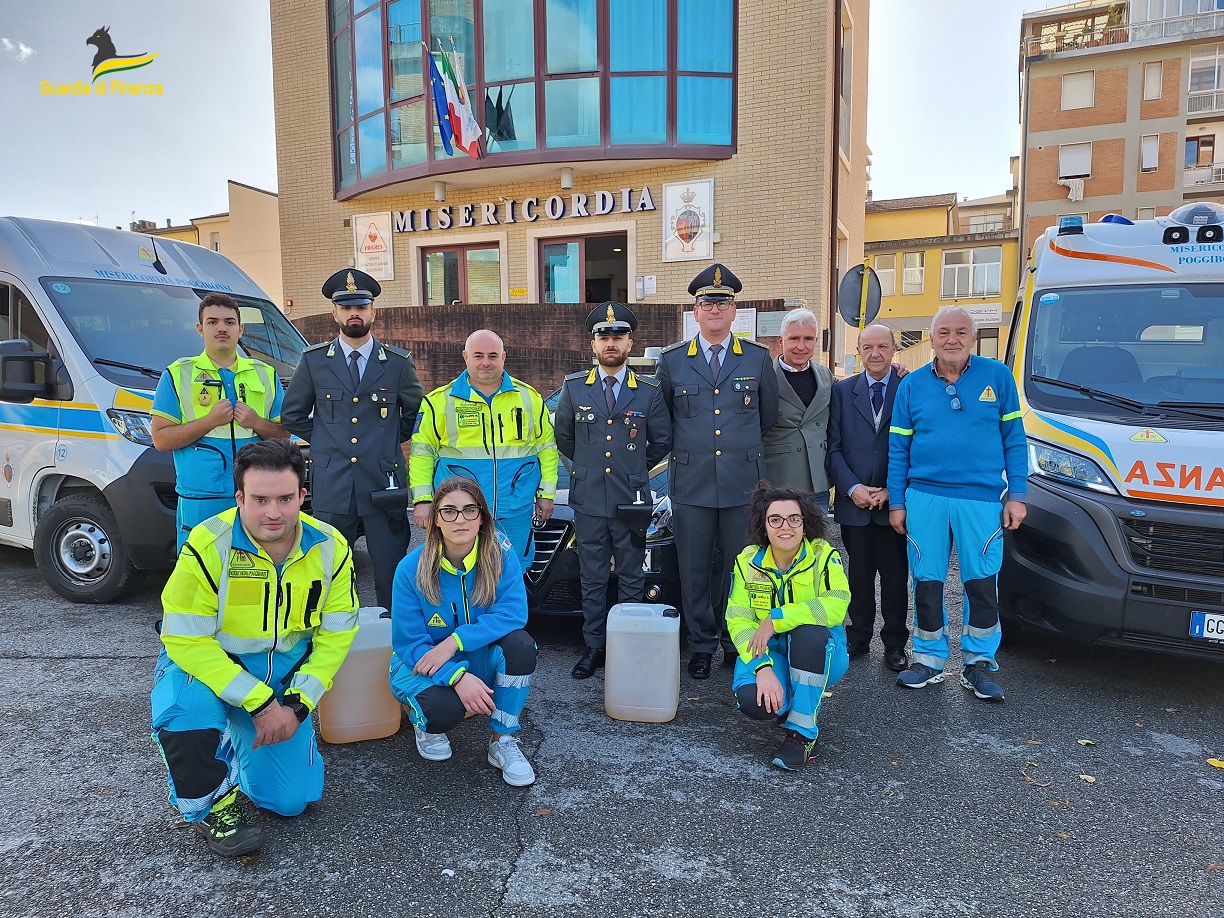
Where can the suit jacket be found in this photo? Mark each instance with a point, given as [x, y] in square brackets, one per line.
[796, 445]
[717, 424]
[354, 435]
[612, 454]
[858, 451]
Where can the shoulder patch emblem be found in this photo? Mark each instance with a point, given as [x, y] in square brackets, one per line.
[436, 621]
[988, 395]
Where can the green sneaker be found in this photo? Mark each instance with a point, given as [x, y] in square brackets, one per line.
[227, 830]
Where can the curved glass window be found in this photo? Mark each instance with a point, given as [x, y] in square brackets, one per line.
[646, 78]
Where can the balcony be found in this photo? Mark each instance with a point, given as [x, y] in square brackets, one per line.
[1197, 176]
[1078, 39]
[1205, 103]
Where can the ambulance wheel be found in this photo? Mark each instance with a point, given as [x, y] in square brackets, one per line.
[79, 551]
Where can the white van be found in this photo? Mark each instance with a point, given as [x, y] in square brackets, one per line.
[89, 317]
[1118, 352]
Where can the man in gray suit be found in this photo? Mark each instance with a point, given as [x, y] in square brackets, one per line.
[613, 425]
[723, 396]
[796, 445]
[860, 412]
[355, 401]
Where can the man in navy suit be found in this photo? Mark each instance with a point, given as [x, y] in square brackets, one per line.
[859, 415]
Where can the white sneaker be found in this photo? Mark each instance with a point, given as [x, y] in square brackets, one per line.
[504, 753]
[432, 746]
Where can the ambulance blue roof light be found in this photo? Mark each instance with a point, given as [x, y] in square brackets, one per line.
[1116, 218]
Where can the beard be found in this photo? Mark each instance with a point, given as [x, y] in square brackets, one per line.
[611, 361]
[355, 329]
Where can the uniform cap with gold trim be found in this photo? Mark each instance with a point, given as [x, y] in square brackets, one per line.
[610, 318]
[716, 283]
[350, 287]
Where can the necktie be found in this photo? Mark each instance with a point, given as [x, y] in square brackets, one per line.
[609, 398]
[354, 369]
[715, 363]
[877, 397]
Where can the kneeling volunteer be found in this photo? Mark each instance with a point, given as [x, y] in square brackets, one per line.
[458, 610]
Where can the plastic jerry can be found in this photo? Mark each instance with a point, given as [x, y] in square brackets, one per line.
[642, 667]
[360, 705]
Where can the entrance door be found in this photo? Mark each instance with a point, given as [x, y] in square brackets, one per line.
[589, 269]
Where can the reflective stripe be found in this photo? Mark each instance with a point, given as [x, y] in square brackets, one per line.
[338, 621]
[795, 719]
[187, 624]
[804, 677]
[903, 431]
[244, 645]
[512, 681]
[239, 688]
[1012, 416]
[224, 533]
[308, 687]
[931, 636]
[505, 719]
[983, 633]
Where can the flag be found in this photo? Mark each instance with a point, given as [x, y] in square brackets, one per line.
[464, 126]
[498, 119]
[437, 89]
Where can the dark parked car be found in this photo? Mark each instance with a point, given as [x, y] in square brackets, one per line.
[553, 585]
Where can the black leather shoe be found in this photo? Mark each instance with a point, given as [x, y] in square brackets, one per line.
[730, 655]
[858, 650]
[699, 664]
[592, 660]
[896, 660]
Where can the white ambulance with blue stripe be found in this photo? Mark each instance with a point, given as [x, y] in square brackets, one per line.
[1118, 352]
[89, 318]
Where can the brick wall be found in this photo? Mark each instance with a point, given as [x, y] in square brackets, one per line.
[543, 342]
[1109, 102]
[1167, 172]
[1169, 103]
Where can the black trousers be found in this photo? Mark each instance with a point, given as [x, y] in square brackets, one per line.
[875, 549]
[600, 539]
[385, 544]
[705, 582]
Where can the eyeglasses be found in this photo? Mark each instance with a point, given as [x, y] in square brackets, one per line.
[794, 521]
[956, 402]
[450, 514]
[715, 305]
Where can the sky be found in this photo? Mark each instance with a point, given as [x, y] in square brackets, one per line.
[942, 105]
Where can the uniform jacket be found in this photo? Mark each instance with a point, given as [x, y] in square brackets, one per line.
[796, 445]
[354, 436]
[813, 591]
[507, 448]
[858, 452]
[613, 454]
[718, 424]
[187, 391]
[417, 625]
[225, 598]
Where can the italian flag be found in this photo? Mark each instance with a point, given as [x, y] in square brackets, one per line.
[466, 129]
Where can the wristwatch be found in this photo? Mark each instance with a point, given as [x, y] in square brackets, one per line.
[295, 704]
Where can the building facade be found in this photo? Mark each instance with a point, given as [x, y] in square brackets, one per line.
[1121, 106]
[624, 146]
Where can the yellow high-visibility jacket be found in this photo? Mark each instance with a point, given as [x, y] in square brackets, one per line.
[226, 601]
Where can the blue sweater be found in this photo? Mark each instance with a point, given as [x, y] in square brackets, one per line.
[416, 625]
[937, 450]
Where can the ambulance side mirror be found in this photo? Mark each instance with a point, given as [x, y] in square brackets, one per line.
[25, 374]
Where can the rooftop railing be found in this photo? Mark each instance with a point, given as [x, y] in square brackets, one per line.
[1199, 24]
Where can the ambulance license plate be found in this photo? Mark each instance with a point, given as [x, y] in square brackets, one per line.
[1208, 626]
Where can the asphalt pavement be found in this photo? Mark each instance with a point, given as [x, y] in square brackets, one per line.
[1088, 793]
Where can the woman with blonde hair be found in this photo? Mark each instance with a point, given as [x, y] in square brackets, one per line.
[458, 610]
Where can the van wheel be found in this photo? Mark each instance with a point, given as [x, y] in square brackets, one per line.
[79, 552]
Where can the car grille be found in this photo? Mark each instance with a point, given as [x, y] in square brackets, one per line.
[549, 539]
[1194, 550]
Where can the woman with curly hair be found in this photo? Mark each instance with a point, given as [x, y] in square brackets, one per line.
[788, 600]
[458, 610]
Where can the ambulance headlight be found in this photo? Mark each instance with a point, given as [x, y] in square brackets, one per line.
[132, 425]
[1067, 468]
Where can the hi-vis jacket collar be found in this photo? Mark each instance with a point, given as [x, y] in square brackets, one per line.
[204, 362]
[735, 346]
[462, 386]
[469, 562]
[331, 351]
[308, 537]
[593, 377]
[764, 560]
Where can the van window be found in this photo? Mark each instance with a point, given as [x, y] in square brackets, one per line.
[30, 327]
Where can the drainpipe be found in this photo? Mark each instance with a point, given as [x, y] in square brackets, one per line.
[835, 164]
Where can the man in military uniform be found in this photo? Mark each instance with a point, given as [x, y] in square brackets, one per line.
[614, 426]
[723, 395]
[355, 400]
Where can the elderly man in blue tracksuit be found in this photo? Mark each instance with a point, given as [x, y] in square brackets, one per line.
[958, 468]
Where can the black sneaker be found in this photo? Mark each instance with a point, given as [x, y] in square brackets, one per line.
[795, 751]
[979, 679]
[227, 831]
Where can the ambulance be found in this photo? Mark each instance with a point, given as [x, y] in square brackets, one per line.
[1118, 352]
[89, 317]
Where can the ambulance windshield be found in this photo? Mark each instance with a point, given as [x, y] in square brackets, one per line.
[126, 327]
[1130, 350]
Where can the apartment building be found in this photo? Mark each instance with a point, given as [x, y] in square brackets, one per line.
[1121, 109]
